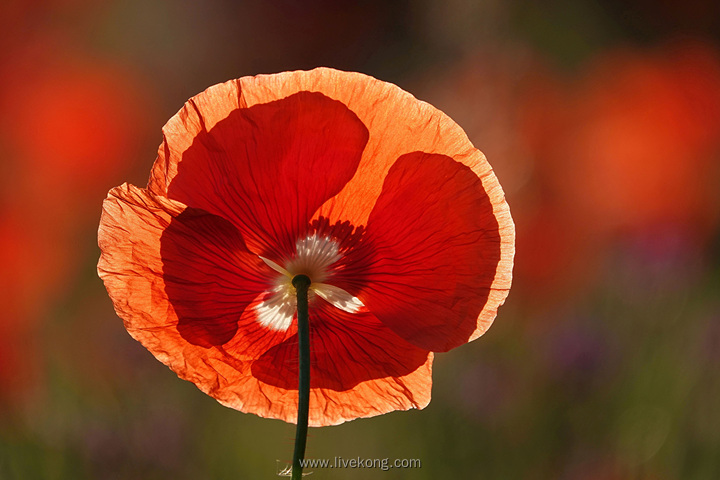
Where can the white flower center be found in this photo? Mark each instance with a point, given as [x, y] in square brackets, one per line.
[313, 257]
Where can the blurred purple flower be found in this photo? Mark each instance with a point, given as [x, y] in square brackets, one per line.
[578, 354]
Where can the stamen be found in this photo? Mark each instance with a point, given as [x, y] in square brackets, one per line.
[314, 257]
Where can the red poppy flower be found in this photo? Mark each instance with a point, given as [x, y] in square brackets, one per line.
[379, 198]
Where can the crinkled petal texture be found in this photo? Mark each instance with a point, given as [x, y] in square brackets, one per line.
[186, 286]
[269, 167]
[250, 167]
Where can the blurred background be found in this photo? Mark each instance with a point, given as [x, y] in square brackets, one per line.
[602, 121]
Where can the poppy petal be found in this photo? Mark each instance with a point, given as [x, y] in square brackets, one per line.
[186, 287]
[259, 166]
[442, 256]
[359, 368]
[397, 124]
[179, 277]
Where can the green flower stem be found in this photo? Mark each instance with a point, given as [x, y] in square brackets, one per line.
[302, 284]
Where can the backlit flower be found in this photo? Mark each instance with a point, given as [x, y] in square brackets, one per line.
[379, 198]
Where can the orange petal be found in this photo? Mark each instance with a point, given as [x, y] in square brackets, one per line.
[260, 167]
[359, 368]
[437, 253]
[187, 288]
[398, 124]
[180, 278]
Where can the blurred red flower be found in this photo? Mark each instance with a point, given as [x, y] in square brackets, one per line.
[69, 122]
[379, 198]
[629, 145]
[29, 265]
[644, 136]
[72, 120]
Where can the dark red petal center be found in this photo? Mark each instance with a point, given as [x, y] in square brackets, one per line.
[345, 350]
[210, 276]
[269, 167]
[436, 247]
